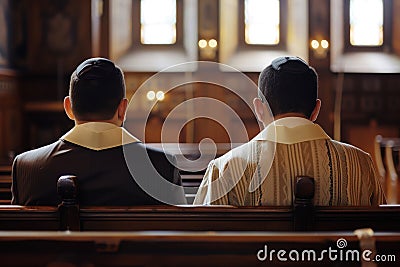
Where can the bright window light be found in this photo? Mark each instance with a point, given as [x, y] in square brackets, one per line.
[261, 19]
[158, 21]
[366, 22]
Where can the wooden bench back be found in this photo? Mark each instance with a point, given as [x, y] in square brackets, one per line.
[193, 248]
[302, 216]
[384, 218]
[29, 218]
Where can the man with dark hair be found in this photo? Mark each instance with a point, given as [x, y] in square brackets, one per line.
[263, 171]
[112, 166]
[292, 91]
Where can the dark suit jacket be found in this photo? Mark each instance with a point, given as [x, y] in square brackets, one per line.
[104, 177]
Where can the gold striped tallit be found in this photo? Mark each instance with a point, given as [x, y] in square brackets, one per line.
[344, 175]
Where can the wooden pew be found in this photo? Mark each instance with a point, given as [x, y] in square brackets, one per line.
[63, 217]
[384, 218]
[182, 248]
[29, 218]
[387, 153]
[186, 218]
[5, 185]
[201, 218]
[301, 217]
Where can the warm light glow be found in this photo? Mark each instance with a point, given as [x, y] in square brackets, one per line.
[320, 48]
[160, 96]
[314, 44]
[202, 43]
[324, 44]
[213, 43]
[158, 21]
[366, 22]
[151, 95]
[261, 19]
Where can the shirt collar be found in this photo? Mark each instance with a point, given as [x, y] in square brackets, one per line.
[291, 130]
[99, 135]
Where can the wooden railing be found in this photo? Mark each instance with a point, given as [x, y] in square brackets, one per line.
[162, 248]
[302, 216]
[216, 218]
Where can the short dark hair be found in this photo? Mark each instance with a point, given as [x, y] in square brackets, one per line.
[97, 86]
[289, 84]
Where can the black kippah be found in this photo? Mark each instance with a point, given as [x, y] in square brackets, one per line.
[290, 64]
[95, 68]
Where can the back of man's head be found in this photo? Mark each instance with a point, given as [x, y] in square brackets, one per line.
[289, 85]
[97, 87]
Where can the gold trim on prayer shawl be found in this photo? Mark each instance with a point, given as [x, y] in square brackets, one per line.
[99, 135]
[280, 131]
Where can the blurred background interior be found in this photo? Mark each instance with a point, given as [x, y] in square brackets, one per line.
[353, 44]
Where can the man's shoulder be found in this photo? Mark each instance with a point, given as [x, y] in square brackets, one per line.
[241, 153]
[349, 147]
[143, 147]
[153, 153]
[39, 152]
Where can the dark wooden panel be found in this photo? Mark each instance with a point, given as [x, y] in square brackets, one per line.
[202, 218]
[185, 248]
[29, 218]
[187, 218]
